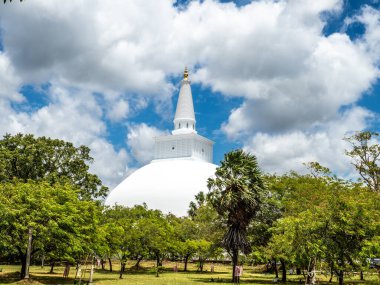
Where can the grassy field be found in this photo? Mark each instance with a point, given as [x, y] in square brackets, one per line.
[147, 276]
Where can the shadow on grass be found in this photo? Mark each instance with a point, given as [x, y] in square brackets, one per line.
[14, 277]
[228, 280]
[152, 270]
[52, 280]
[10, 277]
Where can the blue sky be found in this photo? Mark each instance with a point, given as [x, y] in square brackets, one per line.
[285, 80]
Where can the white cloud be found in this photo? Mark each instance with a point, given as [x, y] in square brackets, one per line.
[118, 110]
[110, 164]
[370, 41]
[294, 80]
[95, 45]
[73, 116]
[288, 151]
[140, 140]
[338, 73]
[9, 81]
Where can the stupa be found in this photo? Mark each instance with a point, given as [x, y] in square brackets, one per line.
[181, 166]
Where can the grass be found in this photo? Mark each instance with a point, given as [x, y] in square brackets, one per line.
[147, 276]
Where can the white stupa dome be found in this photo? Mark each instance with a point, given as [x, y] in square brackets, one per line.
[168, 185]
[180, 169]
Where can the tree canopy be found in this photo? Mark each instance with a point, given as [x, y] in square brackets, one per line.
[365, 151]
[25, 157]
[237, 193]
[62, 225]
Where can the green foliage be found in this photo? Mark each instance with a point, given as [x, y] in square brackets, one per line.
[237, 194]
[327, 219]
[197, 236]
[25, 157]
[63, 226]
[365, 151]
[200, 200]
[137, 232]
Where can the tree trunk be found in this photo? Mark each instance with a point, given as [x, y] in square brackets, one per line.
[23, 266]
[331, 276]
[283, 270]
[158, 263]
[201, 263]
[235, 257]
[122, 269]
[298, 271]
[331, 272]
[361, 275]
[102, 262]
[52, 267]
[311, 272]
[275, 267]
[137, 265]
[186, 260]
[110, 263]
[28, 252]
[66, 272]
[341, 277]
[78, 271]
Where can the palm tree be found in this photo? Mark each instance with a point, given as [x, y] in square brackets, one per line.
[236, 193]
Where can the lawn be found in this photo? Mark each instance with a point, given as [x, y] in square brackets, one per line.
[147, 276]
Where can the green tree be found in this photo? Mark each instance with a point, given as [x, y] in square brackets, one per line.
[116, 225]
[325, 218]
[200, 199]
[136, 233]
[365, 152]
[198, 236]
[62, 225]
[236, 193]
[26, 157]
[186, 234]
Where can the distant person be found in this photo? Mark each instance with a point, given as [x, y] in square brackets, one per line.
[238, 273]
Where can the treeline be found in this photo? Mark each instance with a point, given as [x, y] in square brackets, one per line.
[49, 200]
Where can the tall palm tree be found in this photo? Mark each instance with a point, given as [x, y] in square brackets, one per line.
[236, 193]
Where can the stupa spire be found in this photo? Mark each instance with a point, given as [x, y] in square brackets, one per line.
[184, 119]
[186, 74]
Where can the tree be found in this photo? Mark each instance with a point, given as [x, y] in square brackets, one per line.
[62, 225]
[200, 199]
[123, 235]
[236, 193]
[10, 1]
[136, 233]
[365, 152]
[325, 218]
[197, 236]
[28, 158]
[186, 234]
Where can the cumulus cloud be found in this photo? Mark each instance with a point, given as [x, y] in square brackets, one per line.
[370, 40]
[290, 117]
[9, 81]
[73, 116]
[140, 140]
[111, 165]
[337, 74]
[299, 86]
[90, 44]
[282, 152]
